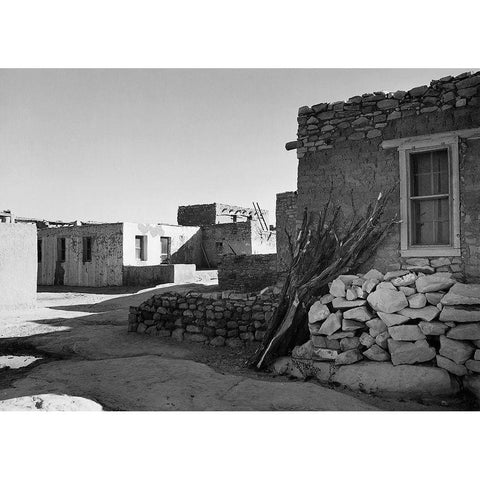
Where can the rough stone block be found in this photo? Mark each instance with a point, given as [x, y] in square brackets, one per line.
[387, 301]
[452, 367]
[408, 353]
[406, 333]
[462, 294]
[348, 357]
[460, 315]
[467, 331]
[455, 350]
[360, 314]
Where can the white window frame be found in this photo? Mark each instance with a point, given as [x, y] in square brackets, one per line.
[409, 145]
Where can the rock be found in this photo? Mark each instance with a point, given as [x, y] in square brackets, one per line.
[343, 304]
[433, 298]
[397, 273]
[392, 319]
[387, 301]
[408, 353]
[217, 342]
[177, 334]
[337, 288]
[351, 294]
[461, 294]
[432, 328]
[349, 343]
[452, 367]
[406, 333]
[328, 298]
[467, 331]
[406, 380]
[425, 269]
[286, 366]
[331, 324]
[348, 357]
[426, 313]
[196, 337]
[417, 300]
[351, 325]
[455, 350]
[386, 285]
[460, 315]
[319, 341]
[382, 339]
[369, 285]
[376, 327]
[440, 262]
[377, 354]
[434, 283]
[318, 312]
[332, 344]
[304, 351]
[373, 274]
[340, 335]
[404, 281]
[314, 328]
[408, 291]
[325, 354]
[473, 365]
[360, 313]
[366, 340]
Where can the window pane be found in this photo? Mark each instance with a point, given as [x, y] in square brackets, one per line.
[429, 171]
[430, 222]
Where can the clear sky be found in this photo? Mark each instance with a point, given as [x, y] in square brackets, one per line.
[133, 145]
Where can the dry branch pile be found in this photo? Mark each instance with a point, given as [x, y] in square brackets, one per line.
[322, 252]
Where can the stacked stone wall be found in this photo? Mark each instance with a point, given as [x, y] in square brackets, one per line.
[286, 214]
[218, 318]
[247, 273]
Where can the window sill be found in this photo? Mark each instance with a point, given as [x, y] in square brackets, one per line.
[431, 252]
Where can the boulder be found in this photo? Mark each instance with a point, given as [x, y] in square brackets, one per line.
[462, 294]
[387, 285]
[466, 331]
[392, 319]
[452, 367]
[408, 291]
[408, 353]
[395, 274]
[434, 298]
[373, 274]
[473, 365]
[426, 313]
[343, 304]
[360, 313]
[460, 315]
[455, 350]
[376, 327]
[324, 354]
[351, 325]
[348, 357]
[382, 340]
[405, 280]
[417, 300]
[304, 351]
[376, 354]
[349, 343]
[366, 340]
[337, 288]
[405, 380]
[328, 298]
[406, 333]
[318, 312]
[387, 301]
[331, 324]
[434, 283]
[432, 328]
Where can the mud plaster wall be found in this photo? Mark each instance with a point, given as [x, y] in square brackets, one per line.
[105, 269]
[185, 243]
[360, 168]
[18, 265]
[286, 214]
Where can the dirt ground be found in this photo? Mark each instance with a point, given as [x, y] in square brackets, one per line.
[82, 348]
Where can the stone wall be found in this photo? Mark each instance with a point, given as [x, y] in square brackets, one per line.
[18, 266]
[404, 317]
[151, 275]
[218, 318]
[286, 213]
[213, 213]
[247, 273]
[340, 144]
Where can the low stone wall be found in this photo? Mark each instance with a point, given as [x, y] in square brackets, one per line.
[403, 317]
[157, 274]
[247, 272]
[218, 318]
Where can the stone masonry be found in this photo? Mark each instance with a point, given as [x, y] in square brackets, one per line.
[286, 214]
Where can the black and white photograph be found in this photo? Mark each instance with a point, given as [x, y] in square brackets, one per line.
[240, 239]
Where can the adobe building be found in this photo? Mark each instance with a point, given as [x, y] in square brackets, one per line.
[18, 264]
[111, 254]
[427, 142]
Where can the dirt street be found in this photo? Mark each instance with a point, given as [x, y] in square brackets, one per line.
[76, 343]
